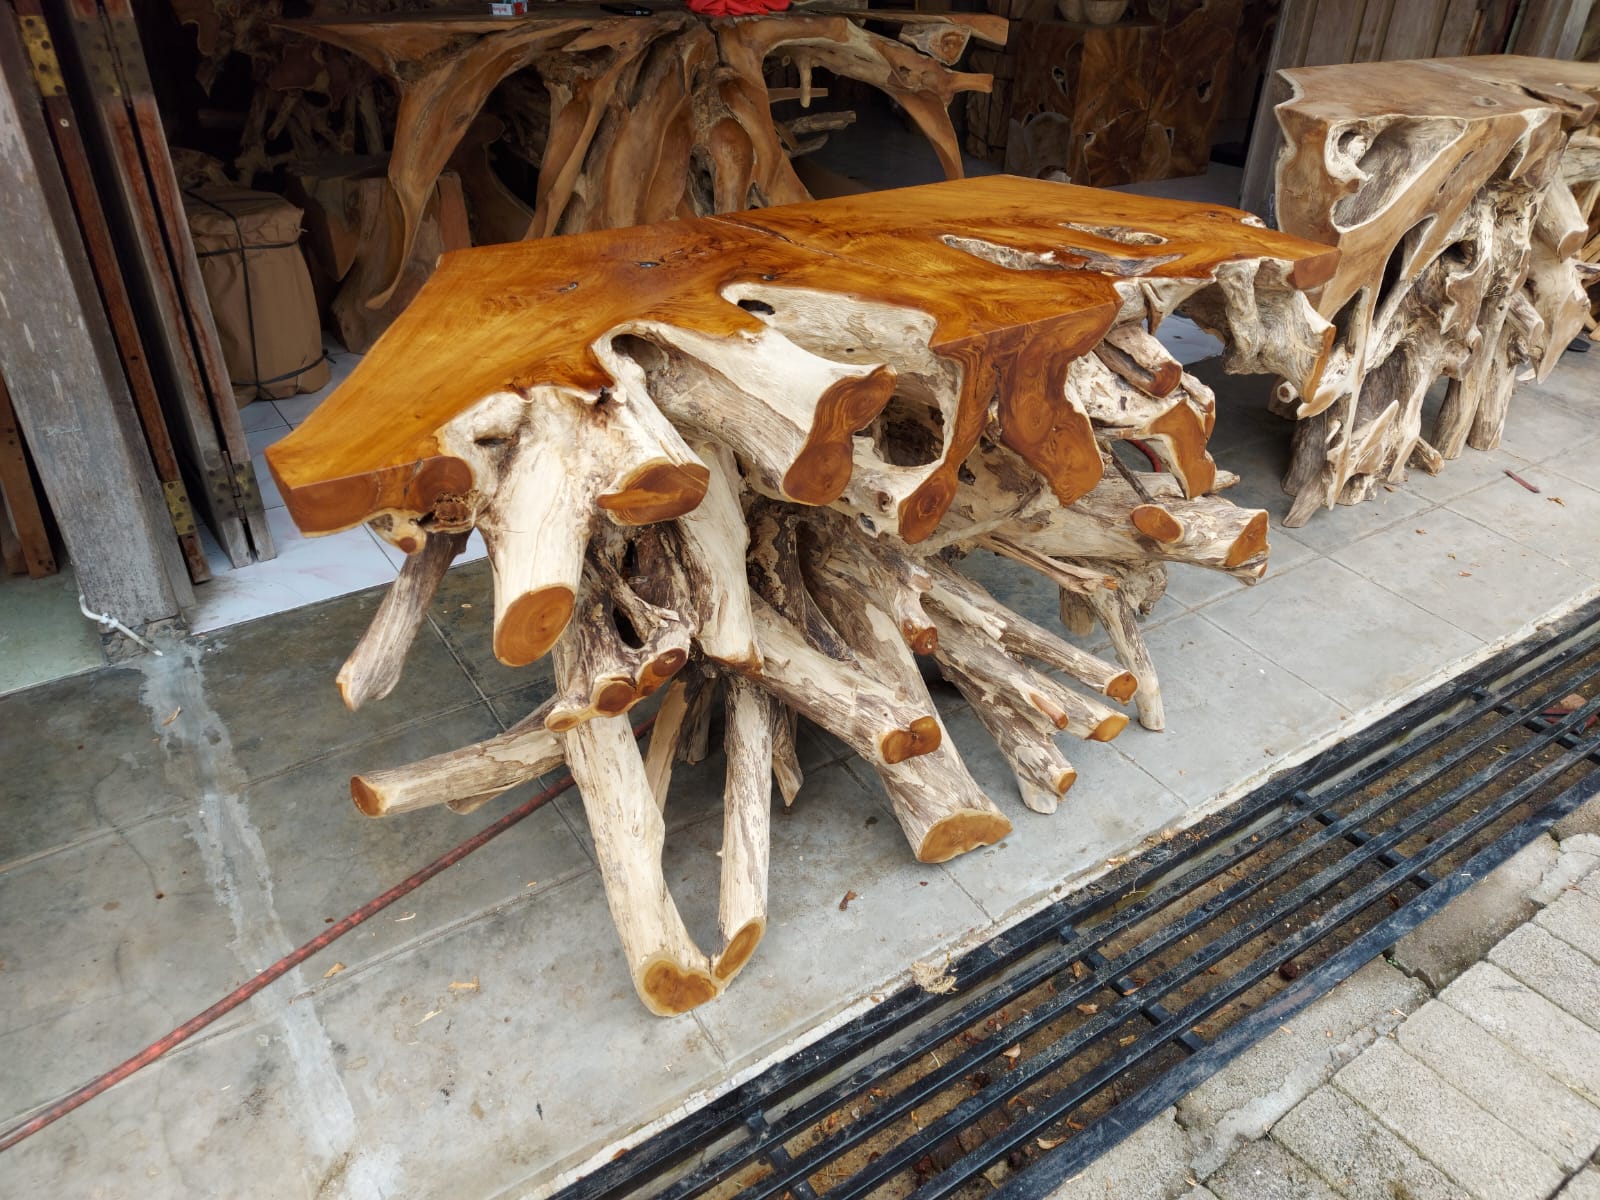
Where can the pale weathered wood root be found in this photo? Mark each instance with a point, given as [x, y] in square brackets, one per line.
[758, 505]
[1444, 184]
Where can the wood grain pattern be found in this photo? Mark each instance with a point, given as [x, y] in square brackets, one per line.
[1106, 105]
[1441, 182]
[471, 332]
[67, 134]
[61, 367]
[652, 117]
[19, 498]
[742, 456]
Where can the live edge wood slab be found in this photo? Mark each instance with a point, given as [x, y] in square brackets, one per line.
[1449, 186]
[744, 456]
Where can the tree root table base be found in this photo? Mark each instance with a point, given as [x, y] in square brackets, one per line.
[737, 460]
[1448, 185]
[656, 115]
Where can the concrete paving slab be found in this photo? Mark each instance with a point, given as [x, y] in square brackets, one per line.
[463, 614]
[1113, 807]
[473, 1092]
[1564, 531]
[1572, 381]
[816, 747]
[43, 636]
[271, 683]
[1194, 587]
[1473, 470]
[1548, 418]
[1384, 510]
[1580, 461]
[1260, 458]
[80, 759]
[1585, 819]
[270, 686]
[307, 825]
[1232, 712]
[1152, 1164]
[1589, 884]
[1555, 970]
[1461, 933]
[1249, 1095]
[1488, 1158]
[1472, 577]
[1580, 858]
[817, 957]
[1575, 919]
[1547, 1036]
[1357, 1156]
[221, 1119]
[1365, 645]
[511, 707]
[1243, 412]
[105, 946]
[1583, 1186]
[1265, 1171]
[1502, 1082]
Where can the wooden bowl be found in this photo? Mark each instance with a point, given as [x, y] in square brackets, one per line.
[1070, 10]
[1104, 12]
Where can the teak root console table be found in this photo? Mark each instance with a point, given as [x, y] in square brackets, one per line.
[1449, 187]
[741, 457]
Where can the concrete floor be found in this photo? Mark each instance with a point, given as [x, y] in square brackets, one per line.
[43, 636]
[174, 825]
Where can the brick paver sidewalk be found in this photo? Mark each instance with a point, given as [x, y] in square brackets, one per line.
[1466, 1065]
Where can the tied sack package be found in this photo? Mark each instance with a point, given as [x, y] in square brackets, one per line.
[248, 244]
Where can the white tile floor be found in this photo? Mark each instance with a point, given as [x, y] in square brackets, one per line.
[306, 569]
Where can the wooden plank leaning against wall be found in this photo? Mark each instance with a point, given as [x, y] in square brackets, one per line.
[61, 366]
[1315, 33]
[67, 133]
[24, 538]
[105, 69]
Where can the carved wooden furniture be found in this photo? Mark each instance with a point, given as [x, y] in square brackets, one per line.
[1311, 33]
[1574, 89]
[651, 117]
[1442, 184]
[1103, 105]
[346, 204]
[745, 454]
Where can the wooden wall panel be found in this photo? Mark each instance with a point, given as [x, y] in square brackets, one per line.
[61, 366]
[67, 134]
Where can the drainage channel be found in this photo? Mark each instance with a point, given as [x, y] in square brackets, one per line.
[1073, 1028]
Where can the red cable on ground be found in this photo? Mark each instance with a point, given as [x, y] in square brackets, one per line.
[284, 965]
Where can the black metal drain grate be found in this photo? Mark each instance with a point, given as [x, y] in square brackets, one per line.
[1078, 1025]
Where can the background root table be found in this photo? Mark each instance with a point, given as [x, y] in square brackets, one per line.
[1448, 185]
